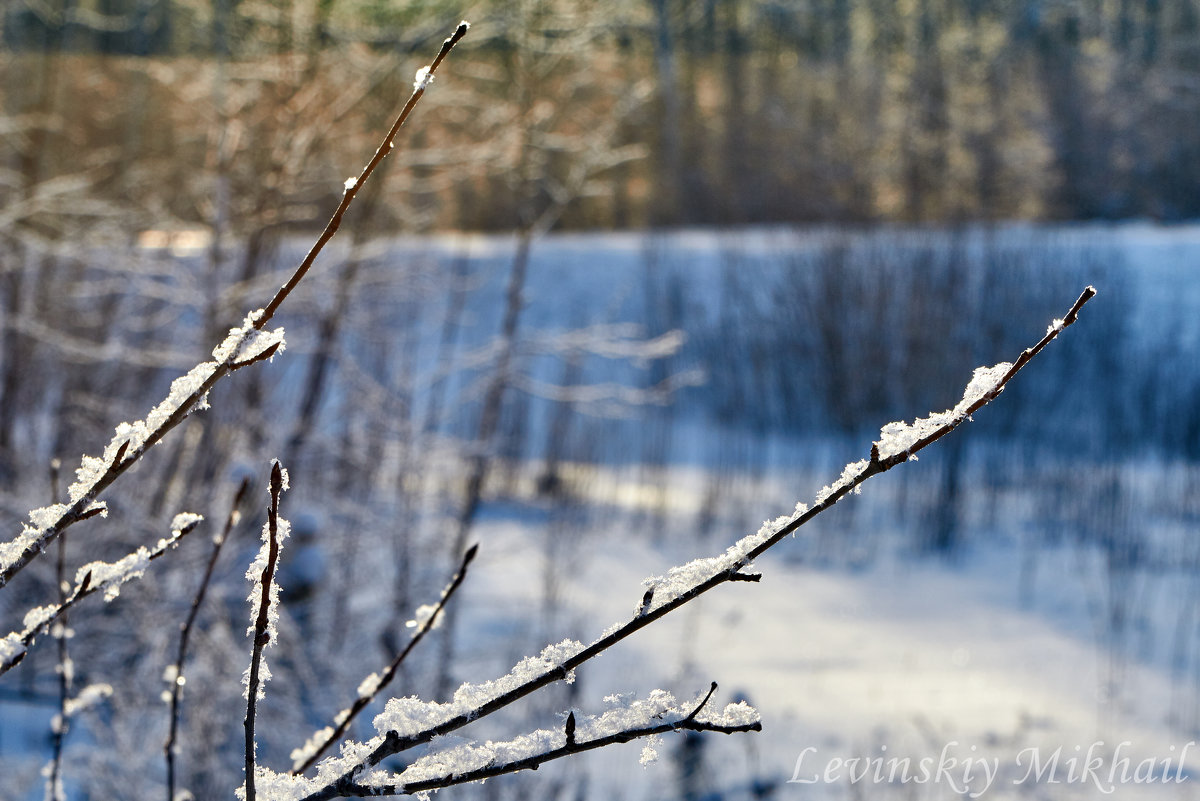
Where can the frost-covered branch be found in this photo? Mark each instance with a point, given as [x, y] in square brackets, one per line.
[89, 579]
[244, 346]
[174, 675]
[460, 762]
[409, 722]
[264, 597]
[471, 762]
[66, 668]
[306, 756]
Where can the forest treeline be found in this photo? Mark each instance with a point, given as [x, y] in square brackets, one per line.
[618, 114]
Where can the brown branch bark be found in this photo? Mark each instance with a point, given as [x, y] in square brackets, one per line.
[262, 635]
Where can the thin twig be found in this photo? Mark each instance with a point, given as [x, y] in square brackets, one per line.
[65, 671]
[81, 590]
[262, 634]
[353, 188]
[644, 616]
[570, 747]
[185, 630]
[83, 506]
[365, 699]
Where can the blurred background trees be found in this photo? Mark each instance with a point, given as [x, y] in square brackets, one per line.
[760, 111]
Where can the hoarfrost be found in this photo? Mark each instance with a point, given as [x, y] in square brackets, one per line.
[246, 344]
[272, 786]
[684, 578]
[184, 521]
[302, 754]
[111, 575]
[46, 516]
[739, 714]
[42, 519]
[410, 715]
[264, 675]
[37, 616]
[10, 648]
[88, 697]
[422, 615]
[254, 574]
[369, 685]
[849, 474]
[240, 347]
[649, 752]
[453, 757]
[422, 80]
[900, 437]
[11, 551]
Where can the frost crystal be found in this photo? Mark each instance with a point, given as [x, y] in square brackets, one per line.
[369, 685]
[410, 715]
[184, 521]
[739, 714]
[423, 79]
[272, 786]
[900, 437]
[37, 616]
[849, 474]
[649, 752]
[111, 575]
[88, 697]
[301, 755]
[10, 648]
[255, 575]
[422, 615]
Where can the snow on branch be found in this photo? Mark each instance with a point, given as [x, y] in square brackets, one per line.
[427, 617]
[471, 762]
[461, 762]
[264, 600]
[89, 579]
[243, 346]
[246, 345]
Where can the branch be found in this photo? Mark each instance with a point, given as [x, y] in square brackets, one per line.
[175, 673]
[243, 346]
[89, 579]
[66, 669]
[469, 762]
[409, 723]
[499, 759]
[353, 185]
[265, 593]
[304, 758]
